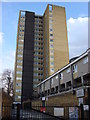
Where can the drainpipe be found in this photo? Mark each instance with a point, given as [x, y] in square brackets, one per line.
[71, 76]
[82, 79]
[89, 103]
[58, 83]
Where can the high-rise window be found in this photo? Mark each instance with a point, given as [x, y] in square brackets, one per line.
[18, 84]
[51, 40]
[19, 72]
[51, 34]
[51, 46]
[21, 40]
[35, 68]
[52, 63]
[18, 66]
[20, 50]
[19, 61]
[51, 29]
[51, 57]
[50, 20]
[18, 78]
[50, 8]
[18, 90]
[35, 74]
[19, 55]
[52, 69]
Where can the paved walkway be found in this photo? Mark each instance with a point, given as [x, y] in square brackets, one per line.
[33, 115]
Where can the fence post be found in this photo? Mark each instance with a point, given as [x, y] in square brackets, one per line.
[18, 111]
[82, 112]
[89, 103]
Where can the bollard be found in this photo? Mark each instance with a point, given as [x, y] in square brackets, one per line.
[82, 112]
[18, 112]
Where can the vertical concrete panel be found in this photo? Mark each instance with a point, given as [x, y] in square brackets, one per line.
[88, 24]
[28, 57]
[61, 51]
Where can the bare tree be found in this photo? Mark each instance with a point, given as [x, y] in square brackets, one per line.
[7, 81]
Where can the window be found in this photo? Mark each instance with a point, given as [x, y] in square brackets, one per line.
[51, 29]
[51, 57]
[36, 38]
[51, 40]
[50, 20]
[20, 45]
[36, 53]
[50, 7]
[21, 26]
[19, 50]
[36, 34]
[40, 68]
[21, 35]
[36, 68]
[52, 63]
[52, 69]
[68, 70]
[51, 51]
[51, 34]
[35, 74]
[19, 97]
[37, 21]
[19, 61]
[36, 58]
[50, 15]
[36, 25]
[18, 84]
[35, 63]
[19, 66]
[18, 78]
[35, 79]
[74, 68]
[36, 43]
[52, 81]
[21, 40]
[57, 77]
[21, 30]
[19, 55]
[19, 72]
[18, 90]
[51, 46]
[35, 48]
[35, 85]
[61, 76]
[85, 60]
[50, 25]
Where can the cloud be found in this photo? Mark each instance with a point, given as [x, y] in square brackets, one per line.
[1, 41]
[1, 38]
[9, 60]
[77, 35]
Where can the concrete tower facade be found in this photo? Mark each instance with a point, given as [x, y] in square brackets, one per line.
[42, 49]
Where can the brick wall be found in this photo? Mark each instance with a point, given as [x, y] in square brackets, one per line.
[64, 100]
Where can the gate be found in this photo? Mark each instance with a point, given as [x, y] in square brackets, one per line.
[19, 113]
[49, 113]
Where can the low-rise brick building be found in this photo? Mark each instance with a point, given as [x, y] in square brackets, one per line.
[68, 87]
[6, 105]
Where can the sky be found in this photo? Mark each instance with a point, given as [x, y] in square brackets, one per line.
[77, 28]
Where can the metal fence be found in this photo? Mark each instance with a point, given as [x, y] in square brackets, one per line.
[45, 113]
[66, 112]
[19, 113]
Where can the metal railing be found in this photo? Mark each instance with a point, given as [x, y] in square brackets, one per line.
[45, 113]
